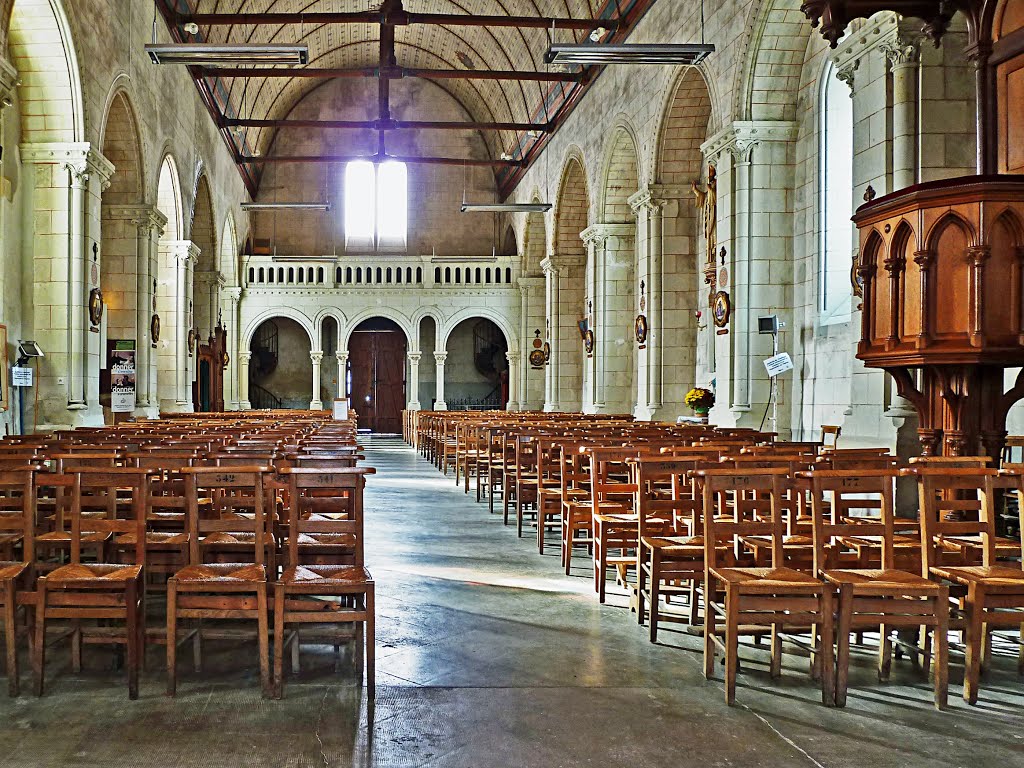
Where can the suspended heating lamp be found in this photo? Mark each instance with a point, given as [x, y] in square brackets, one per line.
[506, 207]
[286, 206]
[213, 54]
[626, 53]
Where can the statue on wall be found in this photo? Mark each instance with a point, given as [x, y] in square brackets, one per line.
[706, 200]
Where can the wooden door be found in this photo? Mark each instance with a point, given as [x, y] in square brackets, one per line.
[377, 360]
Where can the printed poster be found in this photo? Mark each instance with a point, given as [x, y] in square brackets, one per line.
[122, 375]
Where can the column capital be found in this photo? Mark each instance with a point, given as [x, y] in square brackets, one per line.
[233, 294]
[646, 201]
[316, 357]
[600, 232]
[553, 262]
[440, 357]
[414, 357]
[512, 356]
[183, 251]
[78, 157]
[341, 357]
[145, 217]
[244, 357]
[740, 138]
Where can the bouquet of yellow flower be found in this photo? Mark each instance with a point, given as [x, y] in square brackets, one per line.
[700, 399]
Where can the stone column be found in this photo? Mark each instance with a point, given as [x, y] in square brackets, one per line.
[550, 334]
[754, 163]
[229, 298]
[342, 358]
[513, 380]
[649, 213]
[413, 403]
[439, 358]
[243, 380]
[531, 380]
[66, 181]
[186, 261]
[316, 404]
[903, 55]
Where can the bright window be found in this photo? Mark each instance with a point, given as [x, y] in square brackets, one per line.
[376, 204]
[838, 243]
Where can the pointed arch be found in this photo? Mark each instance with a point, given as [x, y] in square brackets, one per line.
[572, 211]
[947, 220]
[684, 127]
[43, 51]
[168, 198]
[227, 262]
[621, 174]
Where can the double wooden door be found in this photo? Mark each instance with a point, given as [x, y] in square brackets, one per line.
[377, 364]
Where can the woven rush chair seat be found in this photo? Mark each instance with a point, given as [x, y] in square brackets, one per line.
[154, 539]
[12, 569]
[989, 575]
[328, 574]
[221, 573]
[93, 573]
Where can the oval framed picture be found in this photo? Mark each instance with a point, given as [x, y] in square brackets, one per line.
[721, 309]
[95, 306]
[640, 327]
[537, 358]
[588, 341]
[227, 359]
[547, 351]
[191, 340]
[154, 329]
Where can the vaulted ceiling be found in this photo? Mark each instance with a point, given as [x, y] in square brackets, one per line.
[464, 46]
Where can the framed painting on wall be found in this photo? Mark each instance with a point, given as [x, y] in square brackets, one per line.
[5, 384]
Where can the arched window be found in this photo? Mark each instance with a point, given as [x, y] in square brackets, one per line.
[376, 204]
[835, 195]
[437, 274]
[359, 275]
[348, 274]
[291, 274]
[252, 274]
[508, 274]
[261, 275]
[419, 274]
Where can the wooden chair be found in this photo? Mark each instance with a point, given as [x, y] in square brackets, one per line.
[574, 494]
[991, 595]
[612, 492]
[885, 598]
[109, 592]
[17, 522]
[670, 552]
[324, 502]
[223, 590]
[757, 599]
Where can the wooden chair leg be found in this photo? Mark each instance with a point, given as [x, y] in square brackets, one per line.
[641, 589]
[826, 651]
[132, 632]
[172, 636]
[654, 608]
[39, 643]
[941, 645]
[262, 621]
[11, 638]
[279, 641]
[775, 665]
[709, 634]
[884, 653]
[975, 642]
[732, 646]
[76, 646]
[843, 642]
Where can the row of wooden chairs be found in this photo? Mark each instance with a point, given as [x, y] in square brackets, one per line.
[256, 519]
[768, 535]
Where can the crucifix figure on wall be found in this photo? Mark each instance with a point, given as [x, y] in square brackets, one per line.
[706, 200]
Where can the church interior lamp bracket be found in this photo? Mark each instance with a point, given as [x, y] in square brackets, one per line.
[636, 53]
[212, 54]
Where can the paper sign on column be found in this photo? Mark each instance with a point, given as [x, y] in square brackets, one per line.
[779, 363]
[21, 377]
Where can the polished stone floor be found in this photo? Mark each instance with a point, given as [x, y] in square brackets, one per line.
[489, 656]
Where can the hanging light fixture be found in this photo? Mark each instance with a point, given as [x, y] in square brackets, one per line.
[506, 207]
[637, 53]
[213, 54]
[286, 206]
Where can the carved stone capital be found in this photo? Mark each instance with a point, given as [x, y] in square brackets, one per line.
[847, 74]
[895, 265]
[902, 52]
[512, 356]
[232, 295]
[414, 357]
[598, 234]
[244, 357]
[316, 357]
[440, 357]
[740, 138]
[644, 201]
